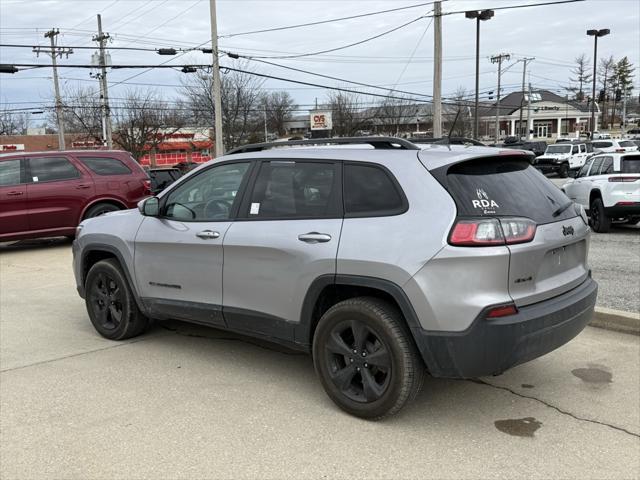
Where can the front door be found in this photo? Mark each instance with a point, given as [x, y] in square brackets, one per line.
[542, 130]
[178, 255]
[13, 198]
[287, 236]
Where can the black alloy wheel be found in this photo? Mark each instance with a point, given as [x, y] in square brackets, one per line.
[106, 301]
[358, 361]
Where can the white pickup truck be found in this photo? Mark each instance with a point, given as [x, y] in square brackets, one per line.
[561, 158]
[608, 187]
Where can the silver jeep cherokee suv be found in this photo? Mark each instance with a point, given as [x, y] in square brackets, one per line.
[382, 262]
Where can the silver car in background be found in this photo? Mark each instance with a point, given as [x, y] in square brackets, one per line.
[383, 260]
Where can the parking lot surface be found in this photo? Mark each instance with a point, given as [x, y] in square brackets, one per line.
[190, 402]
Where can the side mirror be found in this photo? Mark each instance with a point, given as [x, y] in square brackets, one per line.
[149, 207]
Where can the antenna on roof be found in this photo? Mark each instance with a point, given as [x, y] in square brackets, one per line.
[455, 120]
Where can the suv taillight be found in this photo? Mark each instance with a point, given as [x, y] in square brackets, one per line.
[483, 232]
[146, 184]
[623, 179]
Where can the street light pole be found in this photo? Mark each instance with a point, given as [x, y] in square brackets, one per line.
[595, 34]
[477, 15]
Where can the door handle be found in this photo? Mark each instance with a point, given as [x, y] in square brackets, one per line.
[314, 237]
[83, 185]
[207, 234]
[14, 193]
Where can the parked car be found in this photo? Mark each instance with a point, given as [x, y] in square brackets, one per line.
[537, 147]
[381, 262]
[562, 158]
[161, 178]
[611, 146]
[601, 136]
[608, 187]
[44, 194]
[633, 134]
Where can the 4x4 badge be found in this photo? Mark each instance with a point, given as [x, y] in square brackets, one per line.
[567, 231]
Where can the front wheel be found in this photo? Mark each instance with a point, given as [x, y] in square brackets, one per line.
[366, 359]
[111, 306]
[599, 220]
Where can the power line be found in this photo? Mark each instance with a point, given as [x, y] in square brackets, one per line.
[360, 42]
[415, 49]
[509, 7]
[321, 22]
[21, 45]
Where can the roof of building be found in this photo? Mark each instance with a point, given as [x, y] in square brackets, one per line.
[515, 100]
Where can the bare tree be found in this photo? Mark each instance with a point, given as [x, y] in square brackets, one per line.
[393, 113]
[347, 113]
[143, 119]
[459, 121]
[582, 76]
[82, 113]
[605, 72]
[278, 108]
[241, 113]
[13, 123]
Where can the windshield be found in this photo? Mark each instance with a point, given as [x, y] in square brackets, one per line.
[558, 149]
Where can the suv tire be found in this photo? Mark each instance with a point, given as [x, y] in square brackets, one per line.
[599, 220]
[100, 209]
[112, 308]
[564, 170]
[366, 359]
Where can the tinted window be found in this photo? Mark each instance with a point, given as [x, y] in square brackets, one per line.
[294, 190]
[208, 196]
[369, 190]
[602, 144]
[105, 165]
[497, 187]
[595, 168]
[10, 172]
[627, 143]
[575, 149]
[631, 164]
[161, 179]
[607, 166]
[47, 169]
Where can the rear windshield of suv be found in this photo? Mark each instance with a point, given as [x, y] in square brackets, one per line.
[602, 144]
[505, 187]
[631, 164]
[627, 143]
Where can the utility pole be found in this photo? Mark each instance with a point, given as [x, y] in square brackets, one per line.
[529, 113]
[524, 75]
[437, 69]
[56, 52]
[624, 108]
[101, 38]
[265, 124]
[215, 84]
[498, 59]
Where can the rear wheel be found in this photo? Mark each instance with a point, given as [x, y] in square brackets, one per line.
[599, 220]
[100, 209]
[110, 303]
[366, 358]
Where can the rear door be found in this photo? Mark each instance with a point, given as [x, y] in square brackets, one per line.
[57, 191]
[555, 261]
[13, 197]
[286, 236]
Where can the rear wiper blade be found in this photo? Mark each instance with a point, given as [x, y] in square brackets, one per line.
[562, 209]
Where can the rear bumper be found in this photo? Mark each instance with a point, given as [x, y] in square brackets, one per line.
[622, 210]
[489, 347]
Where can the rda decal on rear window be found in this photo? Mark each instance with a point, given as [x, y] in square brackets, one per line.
[484, 202]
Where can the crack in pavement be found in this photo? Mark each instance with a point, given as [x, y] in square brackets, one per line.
[558, 409]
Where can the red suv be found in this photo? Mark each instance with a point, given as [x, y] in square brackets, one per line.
[49, 193]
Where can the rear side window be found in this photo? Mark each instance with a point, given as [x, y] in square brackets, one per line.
[595, 168]
[607, 166]
[48, 169]
[504, 187]
[10, 172]
[370, 191]
[630, 164]
[105, 165]
[288, 189]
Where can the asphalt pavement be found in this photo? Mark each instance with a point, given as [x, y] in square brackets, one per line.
[189, 402]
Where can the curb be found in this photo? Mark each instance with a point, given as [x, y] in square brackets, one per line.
[616, 320]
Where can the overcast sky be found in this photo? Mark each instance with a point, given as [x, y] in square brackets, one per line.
[554, 35]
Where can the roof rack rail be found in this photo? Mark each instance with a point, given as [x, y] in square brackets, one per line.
[375, 142]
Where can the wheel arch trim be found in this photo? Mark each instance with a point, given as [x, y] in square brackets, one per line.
[96, 201]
